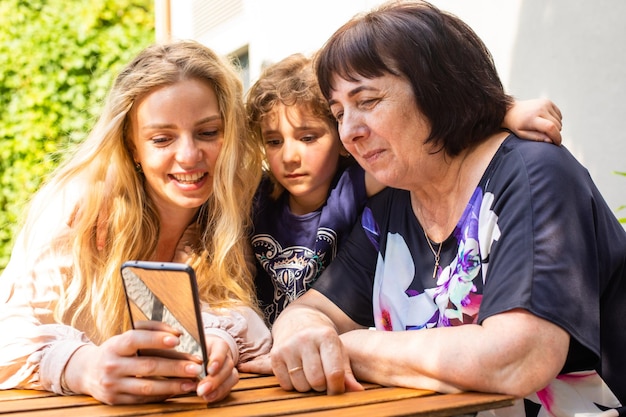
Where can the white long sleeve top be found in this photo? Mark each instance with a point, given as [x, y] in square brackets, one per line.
[35, 348]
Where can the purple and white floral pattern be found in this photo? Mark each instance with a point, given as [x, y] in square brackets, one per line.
[455, 301]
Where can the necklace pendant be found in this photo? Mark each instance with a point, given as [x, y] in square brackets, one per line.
[435, 254]
[436, 268]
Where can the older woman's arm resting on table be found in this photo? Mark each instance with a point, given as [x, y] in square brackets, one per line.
[514, 353]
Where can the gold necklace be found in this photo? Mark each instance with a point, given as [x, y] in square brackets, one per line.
[435, 254]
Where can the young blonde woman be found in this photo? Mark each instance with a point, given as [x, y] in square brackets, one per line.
[165, 175]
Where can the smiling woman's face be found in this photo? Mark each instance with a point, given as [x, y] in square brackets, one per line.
[381, 126]
[177, 134]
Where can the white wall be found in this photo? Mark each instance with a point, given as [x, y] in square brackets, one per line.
[572, 51]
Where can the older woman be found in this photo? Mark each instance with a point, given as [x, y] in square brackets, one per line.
[493, 264]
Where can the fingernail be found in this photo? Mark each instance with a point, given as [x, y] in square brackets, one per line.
[210, 397]
[170, 340]
[204, 389]
[213, 368]
[193, 369]
[187, 386]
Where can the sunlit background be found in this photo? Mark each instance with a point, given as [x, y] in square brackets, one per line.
[571, 51]
[59, 57]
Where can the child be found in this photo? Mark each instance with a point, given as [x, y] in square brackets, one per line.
[313, 191]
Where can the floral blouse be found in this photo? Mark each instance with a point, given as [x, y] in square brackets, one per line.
[536, 235]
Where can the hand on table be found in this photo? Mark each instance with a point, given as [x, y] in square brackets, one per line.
[312, 357]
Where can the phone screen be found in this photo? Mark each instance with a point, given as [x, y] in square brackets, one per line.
[167, 292]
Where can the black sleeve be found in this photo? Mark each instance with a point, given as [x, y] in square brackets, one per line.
[349, 280]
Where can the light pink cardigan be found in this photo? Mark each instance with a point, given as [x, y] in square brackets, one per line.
[34, 348]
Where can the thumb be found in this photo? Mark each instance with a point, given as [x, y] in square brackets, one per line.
[259, 365]
[350, 382]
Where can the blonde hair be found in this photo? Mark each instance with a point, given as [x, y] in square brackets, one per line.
[102, 187]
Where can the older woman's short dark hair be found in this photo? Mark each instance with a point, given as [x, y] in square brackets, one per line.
[453, 76]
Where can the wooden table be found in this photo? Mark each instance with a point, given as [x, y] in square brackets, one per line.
[257, 395]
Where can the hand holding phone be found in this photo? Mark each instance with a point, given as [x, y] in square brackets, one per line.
[166, 292]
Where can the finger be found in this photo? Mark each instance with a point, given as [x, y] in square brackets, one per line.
[300, 379]
[153, 389]
[554, 119]
[280, 370]
[534, 135]
[171, 354]
[153, 339]
[259, 365]
[155, 325]
[554, 110]
[352, 384]
[133, 340]
[547, 131]
[313, 371]
[334, 362]
[225, 370]
[550, 130]
[350, 381]
[304, 369]
[213, 389]
[156, 366]
[219, 354]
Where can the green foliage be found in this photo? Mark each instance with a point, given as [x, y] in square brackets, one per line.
[57, 60]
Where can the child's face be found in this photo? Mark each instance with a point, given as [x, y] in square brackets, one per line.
[303, 153]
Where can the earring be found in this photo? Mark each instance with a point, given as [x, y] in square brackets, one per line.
[138, 168]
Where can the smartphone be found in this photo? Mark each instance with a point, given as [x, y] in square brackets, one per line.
[167, 292]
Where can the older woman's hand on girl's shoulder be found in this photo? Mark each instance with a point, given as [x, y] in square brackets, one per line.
[537, 119]
[221, 372]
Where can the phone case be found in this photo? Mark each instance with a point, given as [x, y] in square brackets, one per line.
[167, 292]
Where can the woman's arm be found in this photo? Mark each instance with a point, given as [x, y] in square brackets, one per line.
[514, 353]
[34, 348]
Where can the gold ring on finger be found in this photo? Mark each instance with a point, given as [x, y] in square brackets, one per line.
[296, 369]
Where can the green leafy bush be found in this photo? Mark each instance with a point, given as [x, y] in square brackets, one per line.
[57, 59]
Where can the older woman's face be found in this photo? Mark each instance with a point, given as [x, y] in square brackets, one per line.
[381, 126]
